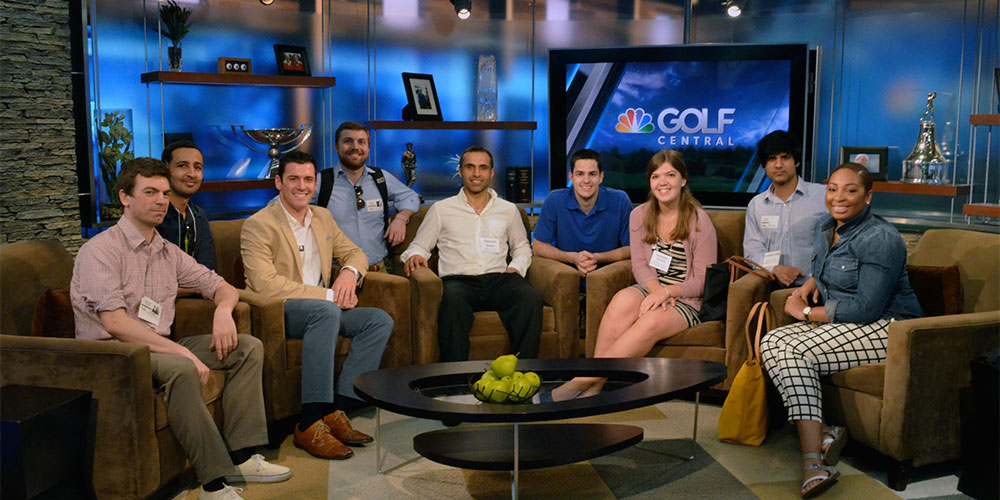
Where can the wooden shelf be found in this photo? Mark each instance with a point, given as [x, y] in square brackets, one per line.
[449, 125]
[931, 189]
[982, 209]
[190, 78]
[993, 119]
[236, 185]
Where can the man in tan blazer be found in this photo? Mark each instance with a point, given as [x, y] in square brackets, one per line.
[288, 249]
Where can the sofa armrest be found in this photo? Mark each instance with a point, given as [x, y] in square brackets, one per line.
[927, 361]
[119, 377]
[778, 299]
[602, 285]
[426, 290]
[391, 293]
[743, 294]
[560, 288]
[196, 314]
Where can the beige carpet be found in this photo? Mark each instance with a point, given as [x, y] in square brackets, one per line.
[719, 470]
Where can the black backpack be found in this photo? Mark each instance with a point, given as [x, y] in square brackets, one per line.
[327, 177]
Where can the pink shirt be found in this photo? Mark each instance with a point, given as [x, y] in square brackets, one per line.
[117, 268]
[700, 249]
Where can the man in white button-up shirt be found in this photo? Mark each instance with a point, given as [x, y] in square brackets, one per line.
[473, 231]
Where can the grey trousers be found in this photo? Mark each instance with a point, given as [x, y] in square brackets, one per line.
[318, 323]
[242, 402]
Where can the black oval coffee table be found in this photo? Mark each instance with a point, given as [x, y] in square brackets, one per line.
[439, 391]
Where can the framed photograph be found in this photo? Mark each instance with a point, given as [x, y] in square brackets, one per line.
[875, 159]
[292, 60]
[421, 97]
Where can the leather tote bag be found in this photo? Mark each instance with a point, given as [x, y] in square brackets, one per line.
[717, 279]
[744, 416]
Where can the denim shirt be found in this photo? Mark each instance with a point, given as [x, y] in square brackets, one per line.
[862, 278]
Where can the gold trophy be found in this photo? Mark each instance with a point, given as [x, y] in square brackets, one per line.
[926, 164]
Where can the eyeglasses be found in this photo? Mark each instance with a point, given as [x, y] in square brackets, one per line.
[357, 197]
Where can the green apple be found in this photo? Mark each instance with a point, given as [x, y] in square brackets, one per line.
[479, 390]
[517, 375]
[504, 366]
[533, 379]
[520, 390]
[501, 391]
[489, 375]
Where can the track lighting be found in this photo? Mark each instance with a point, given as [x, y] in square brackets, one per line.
[463, 8]
[734, 8]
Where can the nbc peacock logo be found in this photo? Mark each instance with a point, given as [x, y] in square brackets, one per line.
[634, 121]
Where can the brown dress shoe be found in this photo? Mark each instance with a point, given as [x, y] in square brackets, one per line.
[319, 442]
[341, 428]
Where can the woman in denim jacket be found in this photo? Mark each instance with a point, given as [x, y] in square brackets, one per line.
[858, 286]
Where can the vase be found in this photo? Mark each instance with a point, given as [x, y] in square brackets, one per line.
[174, 57]
[486, 89]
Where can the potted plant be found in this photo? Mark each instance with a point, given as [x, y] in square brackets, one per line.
[174, 25]
[115, 142]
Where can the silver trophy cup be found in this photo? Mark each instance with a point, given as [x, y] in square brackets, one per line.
[926, 164]
[273, 138]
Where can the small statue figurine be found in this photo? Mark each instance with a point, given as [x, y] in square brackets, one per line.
[409, 164]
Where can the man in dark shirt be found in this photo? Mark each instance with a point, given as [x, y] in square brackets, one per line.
[185, 224]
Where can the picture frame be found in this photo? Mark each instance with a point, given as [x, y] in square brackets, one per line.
[874, 158]
[292, 60]
[421, 98]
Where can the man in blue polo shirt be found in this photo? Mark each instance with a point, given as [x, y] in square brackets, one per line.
[360, 194]
[585, 226]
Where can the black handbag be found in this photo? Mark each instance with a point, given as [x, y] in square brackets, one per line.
[718, 276]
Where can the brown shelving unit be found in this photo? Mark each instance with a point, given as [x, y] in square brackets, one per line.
[982, 209]
[930, 189]
[191, 78]
[450, 125]
[991, 119]
[236, 185]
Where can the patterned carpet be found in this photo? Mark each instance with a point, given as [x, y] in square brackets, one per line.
[649, 470]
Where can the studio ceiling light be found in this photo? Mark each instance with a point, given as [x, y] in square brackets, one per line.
[463, 8]
[734, 8]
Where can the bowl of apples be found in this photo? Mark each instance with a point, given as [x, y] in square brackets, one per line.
[503, 384]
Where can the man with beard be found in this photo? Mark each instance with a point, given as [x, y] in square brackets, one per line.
[473, 231]
[185, 224]
[780, 221]
[587, 225]
[359, 203]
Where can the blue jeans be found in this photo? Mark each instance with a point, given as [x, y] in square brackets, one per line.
[318, 323]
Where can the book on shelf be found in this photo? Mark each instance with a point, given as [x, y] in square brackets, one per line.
[519, 184]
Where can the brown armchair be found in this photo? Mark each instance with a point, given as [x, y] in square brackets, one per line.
[558, 283]
[907, 407]
[135, 452]
[283, 357]
[716, 341]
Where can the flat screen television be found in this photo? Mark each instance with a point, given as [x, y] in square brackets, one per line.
[710, 102]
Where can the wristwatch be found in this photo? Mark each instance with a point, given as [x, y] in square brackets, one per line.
[806, 311]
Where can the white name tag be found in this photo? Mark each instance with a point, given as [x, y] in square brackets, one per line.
[660, 260]
[149, 311]
[374, 205]
[769, 222]
[489, 245]
[771, 259]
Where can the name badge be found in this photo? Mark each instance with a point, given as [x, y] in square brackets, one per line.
[769, 222]
[149, 311]
[771, 259]
[490, 245]
[374, 205]
[660, 261]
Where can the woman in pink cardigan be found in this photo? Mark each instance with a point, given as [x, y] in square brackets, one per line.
[672, 242]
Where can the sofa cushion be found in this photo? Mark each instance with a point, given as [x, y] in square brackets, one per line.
[708, 334]
[938, 289]
[53, 315]
[869, 379]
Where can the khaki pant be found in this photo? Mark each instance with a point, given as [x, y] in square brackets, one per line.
[242, 402]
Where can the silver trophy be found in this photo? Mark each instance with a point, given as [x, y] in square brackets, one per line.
[409, 165]
[274, 137]
[926, 164]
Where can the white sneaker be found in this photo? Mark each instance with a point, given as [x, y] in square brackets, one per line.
[226, 493]
[258, 470]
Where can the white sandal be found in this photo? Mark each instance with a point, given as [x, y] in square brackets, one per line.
[824, 481]
[834, 439]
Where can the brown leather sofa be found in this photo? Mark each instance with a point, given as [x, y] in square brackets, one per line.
[135, 452]
[283, 357]
[716, 341]
[907, 407]
[558, 283]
